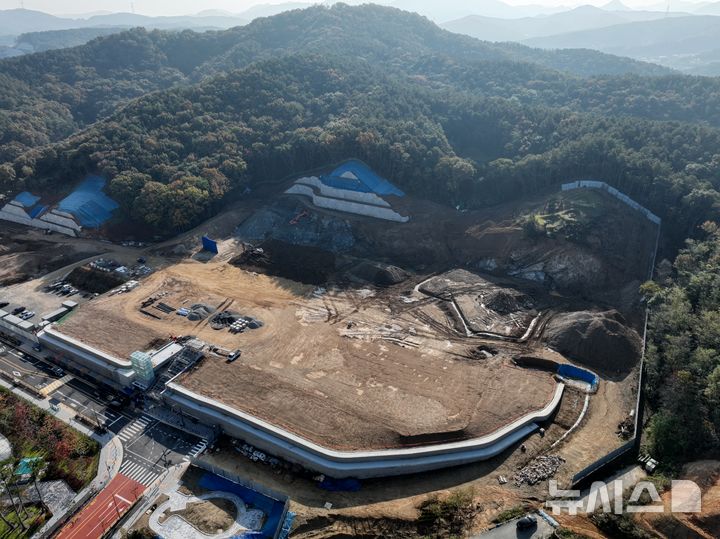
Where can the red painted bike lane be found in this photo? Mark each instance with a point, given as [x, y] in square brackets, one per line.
[104, 510]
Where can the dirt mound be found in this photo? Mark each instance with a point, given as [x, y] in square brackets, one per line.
[506, 301]
[309, 265]
[93, 280]
[380, 274]
[600, 340]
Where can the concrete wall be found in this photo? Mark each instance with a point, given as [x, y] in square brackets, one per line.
[111, 370]
[347, 206]
[360, 464]
[13, 213]
[593, 184]
[11, 329]
[333, 192]
[61, 219]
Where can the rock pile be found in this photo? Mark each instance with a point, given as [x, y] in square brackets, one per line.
[538, 470]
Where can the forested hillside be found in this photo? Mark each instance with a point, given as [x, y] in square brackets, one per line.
[46, 97]
[190, 117]
[684, 355]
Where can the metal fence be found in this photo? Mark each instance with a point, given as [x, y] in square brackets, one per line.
[628, 451]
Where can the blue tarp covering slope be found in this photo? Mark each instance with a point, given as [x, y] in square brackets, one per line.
[273, 509]
[88, 203]
[37, 211]
[355, 175]
[28, 200]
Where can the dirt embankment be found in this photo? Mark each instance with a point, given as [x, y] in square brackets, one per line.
[599, 340]
[26, 256]
[308, 265]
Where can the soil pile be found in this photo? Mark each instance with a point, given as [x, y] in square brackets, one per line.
[309, 265]
[600, 340]
[380, 274]
[93, 280]
[506, 301]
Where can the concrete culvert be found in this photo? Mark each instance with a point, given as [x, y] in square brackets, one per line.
[599, 340]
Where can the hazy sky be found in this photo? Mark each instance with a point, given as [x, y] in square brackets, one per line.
[179, 7]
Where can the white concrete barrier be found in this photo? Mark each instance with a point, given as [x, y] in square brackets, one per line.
[346, 206]
[361, 464]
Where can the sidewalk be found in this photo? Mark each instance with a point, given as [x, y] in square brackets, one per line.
[111, 453]
[166, 484]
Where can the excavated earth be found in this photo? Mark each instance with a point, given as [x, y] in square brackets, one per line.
[599, 340]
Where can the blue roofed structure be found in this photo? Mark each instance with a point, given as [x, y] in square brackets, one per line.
[88, 203]
[354, 175]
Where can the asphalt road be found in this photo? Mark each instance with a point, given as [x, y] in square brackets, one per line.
[150, 447]
[510, 531]
[24, 366]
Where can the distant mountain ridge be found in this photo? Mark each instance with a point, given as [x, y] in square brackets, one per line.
[687, 44]
[579, 19]
[14, 22]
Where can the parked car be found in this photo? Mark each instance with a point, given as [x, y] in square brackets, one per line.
[232, 357]
[58, 371]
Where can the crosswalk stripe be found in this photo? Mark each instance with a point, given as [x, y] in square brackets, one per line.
[147, 478]
[133, 469]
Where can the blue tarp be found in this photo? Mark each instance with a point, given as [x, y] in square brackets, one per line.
[36, 211]
[28, 200]
[209, 245]
[273, 509]
[340, 485]
[355, 175]
[90, 206]
[576, 373]
[287, 525]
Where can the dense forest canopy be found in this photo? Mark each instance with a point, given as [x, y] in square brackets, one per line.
[187, 118]
[684, 354]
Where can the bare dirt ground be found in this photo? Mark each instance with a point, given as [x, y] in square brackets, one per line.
[337, 368]
[394, 350]
[28, 254]
[208, 516]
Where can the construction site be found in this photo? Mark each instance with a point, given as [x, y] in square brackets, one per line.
[362, 343]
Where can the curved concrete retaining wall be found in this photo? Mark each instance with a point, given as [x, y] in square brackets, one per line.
[360, 464]
[346, 206]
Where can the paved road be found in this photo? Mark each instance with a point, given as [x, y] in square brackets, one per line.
[104, 510]
[150, 447]
[510, 531]
[24, 366]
